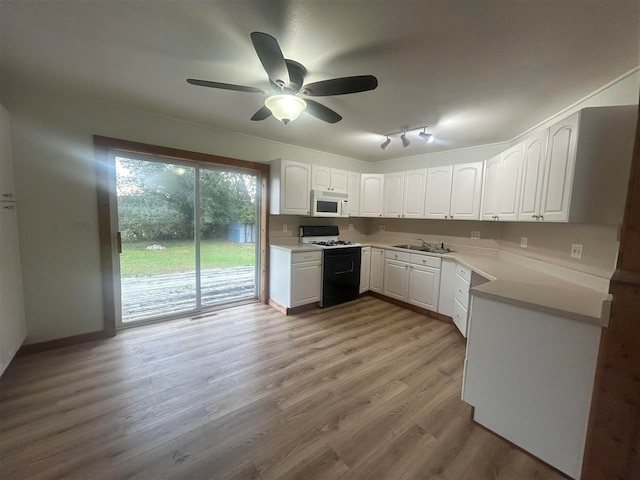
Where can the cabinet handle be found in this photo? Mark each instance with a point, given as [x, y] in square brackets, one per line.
[534, 216]
[450, 216]
[9, 207]
[7, 195]
[446, 216]
[541, 217]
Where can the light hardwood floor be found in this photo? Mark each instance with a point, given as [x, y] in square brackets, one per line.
[364, 390]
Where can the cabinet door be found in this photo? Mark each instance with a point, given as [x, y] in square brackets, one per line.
[393, 183]
[339, 180]
[535, 148]
[491, 188]
[7, 188]
[354, 194]
[371, 199]
[415, 182]
[365, 269]
[320, 178]
[438, 192]
[510, 181]
[305, 283]
[295, 194]
[12, 321]
[466, 188]
[447, 280]
[396, 279]
[376, 275]
[558, 178]
[424, 287]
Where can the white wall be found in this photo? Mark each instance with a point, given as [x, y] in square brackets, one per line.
[56, 183]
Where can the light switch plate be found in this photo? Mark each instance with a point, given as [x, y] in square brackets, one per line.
[284, 227]
[475, 234]
[523, 242]
[576, 251]
[350, 227]
[382, 228]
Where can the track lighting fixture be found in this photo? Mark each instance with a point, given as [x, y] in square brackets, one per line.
[385, 144]
[405, 141]
[427, 137]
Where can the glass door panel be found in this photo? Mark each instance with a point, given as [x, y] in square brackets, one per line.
[156, 205]
[228, 232]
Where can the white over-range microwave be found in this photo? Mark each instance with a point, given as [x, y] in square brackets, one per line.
[329, 204]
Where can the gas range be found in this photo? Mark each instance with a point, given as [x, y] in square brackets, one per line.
[325, 237]
[340, 263]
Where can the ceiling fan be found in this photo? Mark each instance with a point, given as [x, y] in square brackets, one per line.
[287, 78]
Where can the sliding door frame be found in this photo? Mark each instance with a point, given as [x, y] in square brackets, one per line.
[106, 180]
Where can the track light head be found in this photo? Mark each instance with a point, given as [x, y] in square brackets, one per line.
[427, 137]
[385, 144]
[405, 141]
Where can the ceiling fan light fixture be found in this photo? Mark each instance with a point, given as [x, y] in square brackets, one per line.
[385, 144]
[285, 108]
[405, 141]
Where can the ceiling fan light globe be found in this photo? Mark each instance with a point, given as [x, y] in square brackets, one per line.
[285, 108]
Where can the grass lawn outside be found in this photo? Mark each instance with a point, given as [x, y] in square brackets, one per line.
[179, 256]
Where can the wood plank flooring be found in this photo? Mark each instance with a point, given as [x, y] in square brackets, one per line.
[364, 390]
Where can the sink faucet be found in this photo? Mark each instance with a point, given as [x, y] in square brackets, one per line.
[424, 244]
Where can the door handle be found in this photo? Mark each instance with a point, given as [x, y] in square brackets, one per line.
[119, 241]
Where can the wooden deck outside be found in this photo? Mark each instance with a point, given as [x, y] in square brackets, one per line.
[175, 292]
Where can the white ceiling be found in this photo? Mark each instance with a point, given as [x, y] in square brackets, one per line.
[476, 72]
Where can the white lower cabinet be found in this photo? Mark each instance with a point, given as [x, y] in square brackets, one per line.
[529, 376]
[295, 279]
[376, 275]
[396, 274]
[447, 279]
[424, 286]
[365, 269]
[461, 285]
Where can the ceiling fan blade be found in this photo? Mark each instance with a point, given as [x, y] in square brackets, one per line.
[271, 57]
[320, 111]
[224, 86]
[340, 86]
[261, 114]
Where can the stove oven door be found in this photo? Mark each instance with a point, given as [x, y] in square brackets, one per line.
[341, 275]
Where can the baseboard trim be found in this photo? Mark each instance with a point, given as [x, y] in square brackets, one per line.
[63, 342]
[293, 310]
[408, 306]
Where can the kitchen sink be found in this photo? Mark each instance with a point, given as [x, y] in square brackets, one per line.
[424, 248]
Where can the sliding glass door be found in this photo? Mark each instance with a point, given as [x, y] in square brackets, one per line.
[166, 269]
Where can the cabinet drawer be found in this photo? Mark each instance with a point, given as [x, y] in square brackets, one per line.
[460, 317]
[461, 291]
[464, 272]
[300, 257]
[425, 260]
[401, 256]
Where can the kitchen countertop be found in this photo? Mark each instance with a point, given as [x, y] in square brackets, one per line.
[518, 285]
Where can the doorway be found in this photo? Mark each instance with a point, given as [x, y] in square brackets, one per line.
[203, 240]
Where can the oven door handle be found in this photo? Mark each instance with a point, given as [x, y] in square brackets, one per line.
[346, 271]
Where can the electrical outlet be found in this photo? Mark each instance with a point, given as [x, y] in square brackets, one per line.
[576, 251]
[81, 225]
[475, 234]
[523, 242]
[350, 227]
[382, 228]
[284, 227]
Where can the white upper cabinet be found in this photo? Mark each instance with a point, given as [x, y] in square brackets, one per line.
[560, 162]
[290, 187]
[354, 194]
[415, 183]
[491, 188]
[466, 189]
[535, 148]
[393, 185]
[438, 192]
[371, 194]
[329, 179]
[510, 183]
